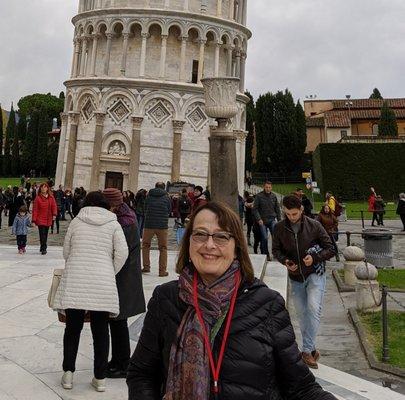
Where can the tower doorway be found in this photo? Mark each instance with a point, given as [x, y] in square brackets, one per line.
[114, 180]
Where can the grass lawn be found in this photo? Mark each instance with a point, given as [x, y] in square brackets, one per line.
[396, 334]
[392, 278]
[353, 208]
[4, 182]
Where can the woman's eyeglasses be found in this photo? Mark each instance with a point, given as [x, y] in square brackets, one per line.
[219, 238]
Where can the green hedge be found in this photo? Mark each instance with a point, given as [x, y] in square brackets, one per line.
[350, 169]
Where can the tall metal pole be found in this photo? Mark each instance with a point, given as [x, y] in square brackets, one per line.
[385, 349]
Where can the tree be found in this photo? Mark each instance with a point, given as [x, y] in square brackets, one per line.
[30, 143]
[376, 94]
[387, 126]
[19, 137]
[10, 133]
[62, 95]
[1, 139]
[250, 118]
[44, 127]
[301, 130]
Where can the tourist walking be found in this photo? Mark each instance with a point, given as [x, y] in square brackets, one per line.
[379, 209]
[184, 205]
[44, 212]
[15, 201]
[249, 219]
[330, 201]
[20, 229]
[140, 200]
[217, 332]
[401, 209]
[94, 250]
[129, 284]
[157, 211]
[331, 224]
[198, 198]
[266, 210]
[306, 203]
[2, 204]
[371, 206]
[302, 245]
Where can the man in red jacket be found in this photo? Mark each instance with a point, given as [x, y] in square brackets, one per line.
[43, 213]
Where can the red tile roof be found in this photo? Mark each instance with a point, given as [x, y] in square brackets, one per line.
[368, 103]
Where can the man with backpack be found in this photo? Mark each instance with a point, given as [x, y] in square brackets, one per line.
[184, 205]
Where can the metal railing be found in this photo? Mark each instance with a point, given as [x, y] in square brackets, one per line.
[376, 233]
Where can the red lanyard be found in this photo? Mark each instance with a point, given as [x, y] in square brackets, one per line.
[215, 370]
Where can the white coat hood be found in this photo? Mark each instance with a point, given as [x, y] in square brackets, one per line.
[96, 216]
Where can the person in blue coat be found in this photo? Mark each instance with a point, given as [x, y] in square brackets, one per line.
[20, 228]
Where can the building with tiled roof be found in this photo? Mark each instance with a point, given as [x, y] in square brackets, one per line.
[331, 121]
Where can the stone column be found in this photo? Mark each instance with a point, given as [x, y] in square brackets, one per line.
[147, 3]
[237, 64]
[135, 153]
[176, 158]
[183, 58]
[219, 8]
[98, 139]
[230, 57]
[167, 3]
[242, 72]
[185, 7]
[220, 103]
[94, 55]
[83, 58]
[124, 53]
[244, 16]
[143, 55]
[71, 153]
[108, 53]
[240, 11]
[216, 62]
[231, 9]
[61, 150]
[240, 157]
[76, 53]
[163, 57]
[201, 59]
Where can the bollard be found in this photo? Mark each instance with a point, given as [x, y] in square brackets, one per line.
[385, 347]
[362, 219]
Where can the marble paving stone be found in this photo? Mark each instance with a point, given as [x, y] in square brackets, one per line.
[11, 298]
[37, 355]
[11, 388]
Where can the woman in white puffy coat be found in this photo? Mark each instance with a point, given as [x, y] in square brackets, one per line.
[95, 250]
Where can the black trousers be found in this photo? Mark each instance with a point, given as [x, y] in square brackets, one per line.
[101, 340]
[403, 220]
[376, 218]
[43, 237]
[21, 241]
[120, 347]
[57, 219]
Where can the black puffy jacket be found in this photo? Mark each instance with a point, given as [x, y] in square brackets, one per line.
[158, 208]
[261, 362]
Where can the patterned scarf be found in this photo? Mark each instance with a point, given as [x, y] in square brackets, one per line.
[189, 373]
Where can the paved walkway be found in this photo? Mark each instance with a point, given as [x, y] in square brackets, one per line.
[31, 336]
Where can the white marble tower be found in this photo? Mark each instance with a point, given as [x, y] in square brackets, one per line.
[134, 111]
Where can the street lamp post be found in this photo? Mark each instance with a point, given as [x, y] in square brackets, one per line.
[348, 105]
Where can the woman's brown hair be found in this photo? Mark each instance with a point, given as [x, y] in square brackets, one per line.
[230, 222]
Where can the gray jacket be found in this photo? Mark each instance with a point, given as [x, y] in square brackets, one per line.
[266, 206]
[158, 208]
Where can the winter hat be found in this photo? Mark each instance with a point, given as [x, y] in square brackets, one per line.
[114, 196]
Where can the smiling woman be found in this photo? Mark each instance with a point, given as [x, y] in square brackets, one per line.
[217, 332]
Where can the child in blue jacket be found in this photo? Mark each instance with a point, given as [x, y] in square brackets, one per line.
[20, 228]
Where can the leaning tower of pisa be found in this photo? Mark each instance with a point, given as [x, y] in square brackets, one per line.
[134, 111]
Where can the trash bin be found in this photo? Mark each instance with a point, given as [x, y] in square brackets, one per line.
[378, 247]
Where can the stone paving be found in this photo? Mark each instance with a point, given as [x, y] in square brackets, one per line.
[31, 336]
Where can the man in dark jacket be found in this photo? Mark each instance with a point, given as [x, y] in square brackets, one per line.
[303, 246]
[266, 210]
[157, 211]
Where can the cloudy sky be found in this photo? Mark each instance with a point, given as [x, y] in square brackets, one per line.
[327, 48]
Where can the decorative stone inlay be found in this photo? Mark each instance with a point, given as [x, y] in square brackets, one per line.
[88, 110]
[159, 114]
[119, 111]
[196, 117]
[117, 148]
